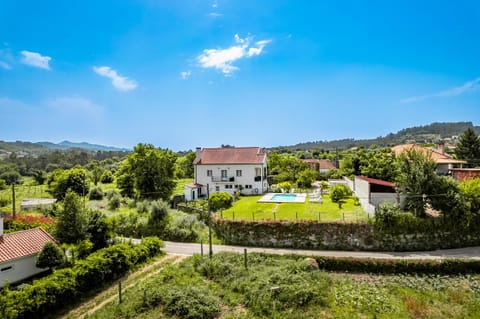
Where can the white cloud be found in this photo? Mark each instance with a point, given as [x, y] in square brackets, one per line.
[5, 65]
[215, 14]
[120, 82]
[223, 59]
[214, 4]
[455, 91]
[185, 75]
[35, 59]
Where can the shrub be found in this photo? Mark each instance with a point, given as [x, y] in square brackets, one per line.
[220, 200]
[107, 177]
[191, 302]
[339, 193]
[287, 186]
[114, 202]
[96, 193]
[51, 256]
[111, 193]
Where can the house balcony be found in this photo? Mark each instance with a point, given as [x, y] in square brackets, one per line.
[224, 179]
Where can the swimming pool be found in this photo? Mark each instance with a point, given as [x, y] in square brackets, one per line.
[283, 198]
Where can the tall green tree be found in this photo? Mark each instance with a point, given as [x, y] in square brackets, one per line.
[416, 179]
[74, 179]
[468, 147]
[152, 171]
[71, 225]
[184, 165]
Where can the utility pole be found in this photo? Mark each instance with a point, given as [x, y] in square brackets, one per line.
[14, 211]
[210, 250]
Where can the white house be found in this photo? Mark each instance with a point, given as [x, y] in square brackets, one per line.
[18, 253]
[228, 169]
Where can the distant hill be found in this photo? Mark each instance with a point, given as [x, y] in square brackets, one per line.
[432, 133]
[29, 148]
[82, 145]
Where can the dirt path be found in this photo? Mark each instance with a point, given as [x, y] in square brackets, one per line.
[108, 295]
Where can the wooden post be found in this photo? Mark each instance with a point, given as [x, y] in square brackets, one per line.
[253, 216]
[14, 209]
[201, 248]
[318, 216]
[233, 215]
[119, 292]
[245, 259]
[274, 216]
[144, 296]
[296, 216]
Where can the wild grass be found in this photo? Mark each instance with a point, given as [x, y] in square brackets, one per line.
[290, 287]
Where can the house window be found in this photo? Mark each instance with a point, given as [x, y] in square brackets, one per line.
[224, 173]
[236, 186]
[258, 171]
[248, 186]
[228, 186]
[209, 172]
[217, 188]
[239, 173]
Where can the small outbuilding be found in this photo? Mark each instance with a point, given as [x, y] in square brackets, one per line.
[18, 253]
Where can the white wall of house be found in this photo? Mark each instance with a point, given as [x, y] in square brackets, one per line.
[362, 189]
[18, 269]
[233, 176]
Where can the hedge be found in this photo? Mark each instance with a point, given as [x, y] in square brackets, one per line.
[64, 286]
[400, 266]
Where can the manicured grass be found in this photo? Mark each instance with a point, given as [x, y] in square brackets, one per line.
[248, 208]
[180, 185]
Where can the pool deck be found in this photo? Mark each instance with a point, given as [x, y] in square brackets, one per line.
[267, 198]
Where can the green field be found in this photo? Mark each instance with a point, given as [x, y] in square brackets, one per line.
[248, 208]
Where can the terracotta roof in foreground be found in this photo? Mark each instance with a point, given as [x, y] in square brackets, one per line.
[231, 155]
[23, 243]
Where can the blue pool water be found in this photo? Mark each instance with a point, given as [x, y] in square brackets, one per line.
[284, 197]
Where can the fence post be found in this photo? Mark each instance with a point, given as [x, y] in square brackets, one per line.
[119, 292]
[201, 248]
[245, 258]
[233, 215]
[274, 216]
[144, 296]
[253, 216]
[296, 216]
[343, 214]
[318, 216]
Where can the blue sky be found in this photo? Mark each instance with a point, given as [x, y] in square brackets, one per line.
[181, 74]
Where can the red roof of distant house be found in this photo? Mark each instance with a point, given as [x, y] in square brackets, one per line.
[194, 185]
[23, 243]
[376, 181]
[437, 156]
[231, 155]
[322, 164]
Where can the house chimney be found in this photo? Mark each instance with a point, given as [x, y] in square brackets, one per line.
[198, 150]
[441, 147]
[1, 225]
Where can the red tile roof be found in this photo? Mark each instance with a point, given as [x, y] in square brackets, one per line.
[231, 155]
[322, 164]
[437, 156]
[376, 181]
[23, 243]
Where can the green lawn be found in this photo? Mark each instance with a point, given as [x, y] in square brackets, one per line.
[247, 208]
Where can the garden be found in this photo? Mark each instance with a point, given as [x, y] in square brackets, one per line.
[268, 286]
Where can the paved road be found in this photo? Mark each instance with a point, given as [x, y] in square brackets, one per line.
[190, 249]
